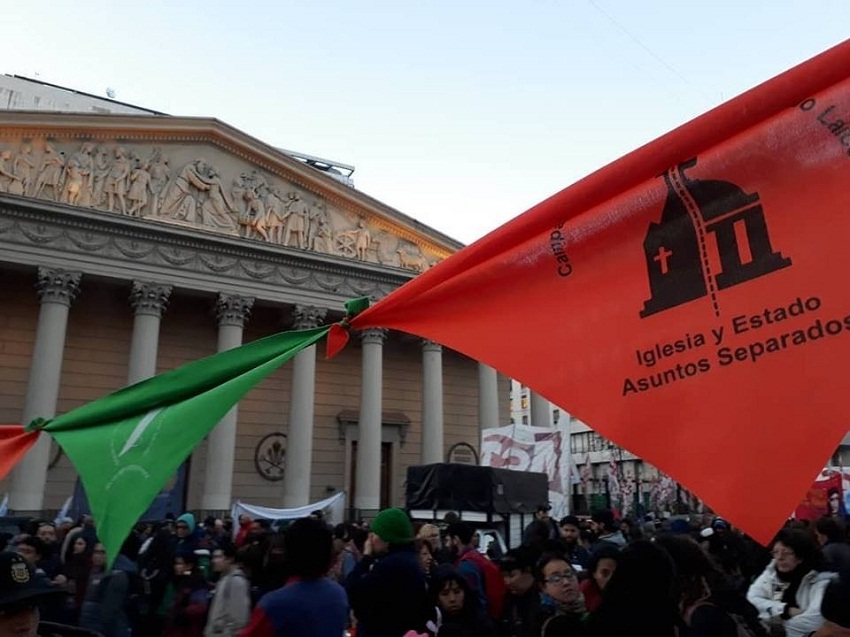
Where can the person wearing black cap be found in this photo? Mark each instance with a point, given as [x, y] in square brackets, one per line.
[522, 603]
[541, 528]
[21, 593]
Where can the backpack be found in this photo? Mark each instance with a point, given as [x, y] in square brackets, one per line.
[494, 584]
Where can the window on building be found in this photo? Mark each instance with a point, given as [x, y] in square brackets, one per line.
[595, 442]
[578, 442]
[525, 420]
[556, 415]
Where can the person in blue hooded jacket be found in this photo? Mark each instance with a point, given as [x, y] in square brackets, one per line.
[104, 608]
[186, 536]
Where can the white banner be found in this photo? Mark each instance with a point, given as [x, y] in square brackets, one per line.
[333, 509]
[540, 449]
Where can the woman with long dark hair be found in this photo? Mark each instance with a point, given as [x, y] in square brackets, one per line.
[709, 603]
[788, 593]
[461, 614]
[640, 598]
[188, 611]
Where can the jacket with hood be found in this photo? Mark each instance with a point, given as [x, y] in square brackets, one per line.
[105, 609]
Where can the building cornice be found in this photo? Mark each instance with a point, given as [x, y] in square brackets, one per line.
[34, 232]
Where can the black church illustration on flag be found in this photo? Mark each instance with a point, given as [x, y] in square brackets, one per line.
[677, 248]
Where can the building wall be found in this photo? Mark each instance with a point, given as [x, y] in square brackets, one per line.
[18, 320]
[96, 363]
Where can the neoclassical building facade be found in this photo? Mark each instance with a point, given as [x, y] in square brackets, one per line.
[131, 244]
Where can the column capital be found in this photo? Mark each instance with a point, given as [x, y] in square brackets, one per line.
[57, 286]
[374, 335]
[431, 346]
[308, 316]
[149, 298]
[233, 310]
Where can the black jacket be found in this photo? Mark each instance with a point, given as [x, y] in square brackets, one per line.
[388, 594]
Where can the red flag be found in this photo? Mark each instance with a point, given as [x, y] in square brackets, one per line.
[688, 301]
[14, 444]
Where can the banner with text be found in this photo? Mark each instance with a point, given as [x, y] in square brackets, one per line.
[540, 449]
[688, 302]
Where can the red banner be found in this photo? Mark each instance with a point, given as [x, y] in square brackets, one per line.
[688, 302]
[14, 444]
[824, 497]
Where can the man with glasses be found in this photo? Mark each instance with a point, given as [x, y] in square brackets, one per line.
[562, 607]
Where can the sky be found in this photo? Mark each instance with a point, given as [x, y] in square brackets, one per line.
[459, 114]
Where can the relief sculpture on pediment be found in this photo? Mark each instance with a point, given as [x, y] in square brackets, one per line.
[213, 191]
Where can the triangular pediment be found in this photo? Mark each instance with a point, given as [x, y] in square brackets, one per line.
[201, 174]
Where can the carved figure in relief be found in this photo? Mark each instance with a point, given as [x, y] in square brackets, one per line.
[237, 193]
[50, 175]
[140, 185]
[99, 174]
[160, 174]
[411, 261]
[181, 198]
[317, 213]
[218, 210]
[296, 221]
[276, 214]
[324, 239]
[116, 182]
[254, 218]
[24, 167]
[354, 243]
[9, 181]
[72, 191]
[362, 241]
[85, 167]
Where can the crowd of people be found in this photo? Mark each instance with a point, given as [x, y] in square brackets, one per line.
[599, 577]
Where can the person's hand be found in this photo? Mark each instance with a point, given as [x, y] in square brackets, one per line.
[60, 580]
[794, 611]
[367, 547]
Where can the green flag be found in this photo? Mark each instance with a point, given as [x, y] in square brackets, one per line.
[126, 445]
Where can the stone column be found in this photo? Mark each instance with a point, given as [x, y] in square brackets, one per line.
[148, 301]
[232, 313]
[299, 437]
[57, 290]
[368, 474]
[432, 402]
[540, 410]
[488, 397]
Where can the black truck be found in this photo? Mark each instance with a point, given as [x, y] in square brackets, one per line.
[498, 502]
